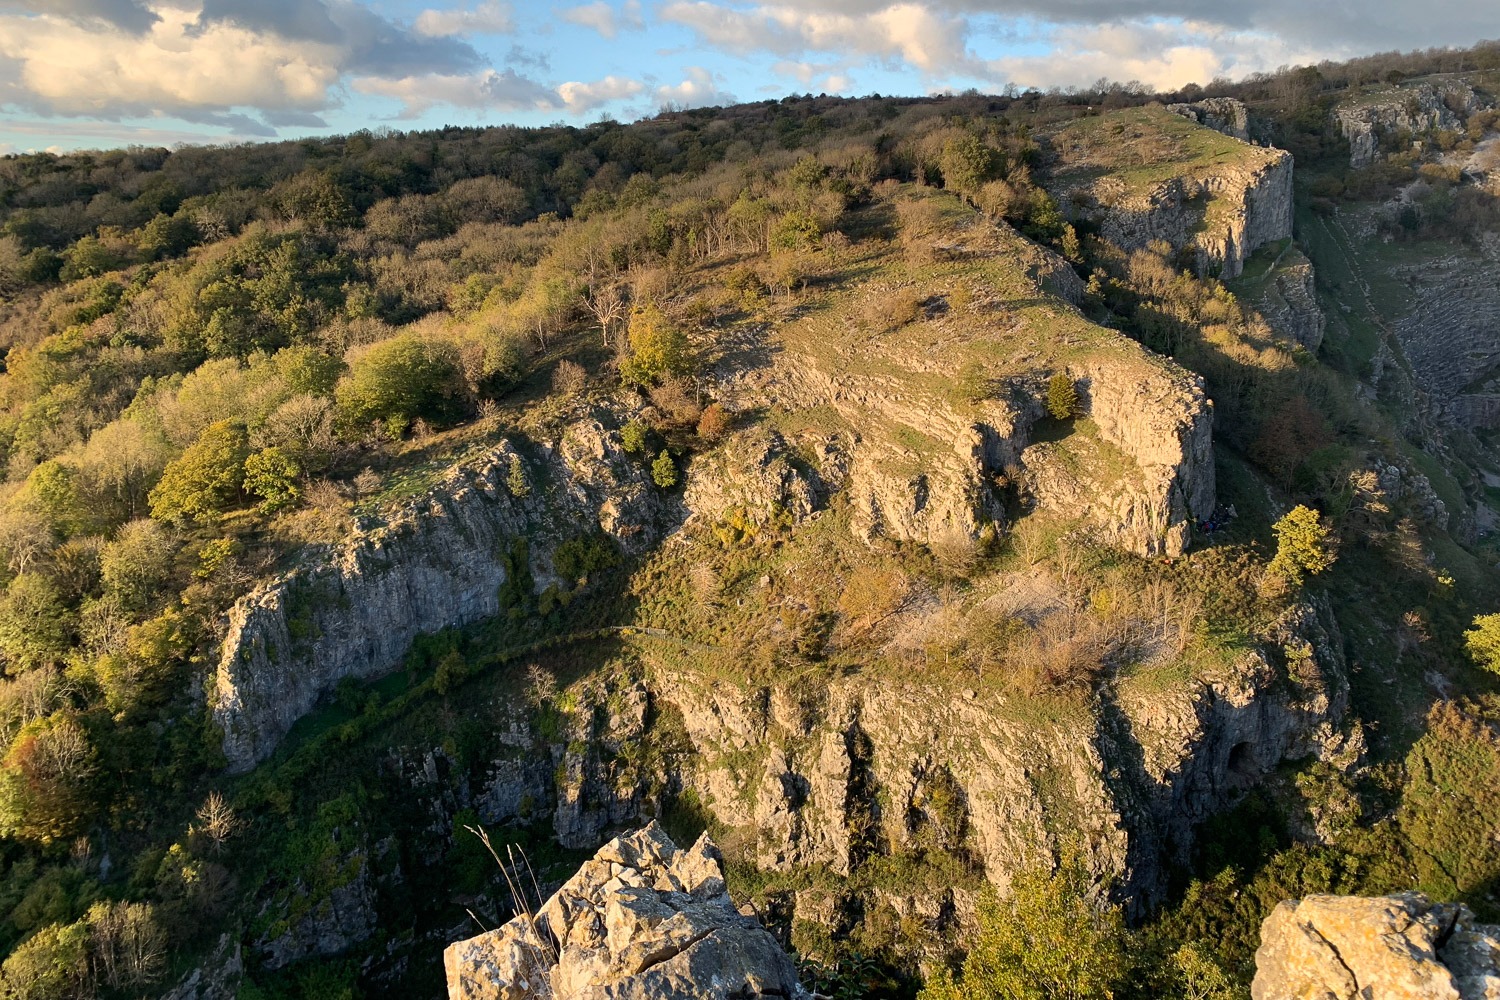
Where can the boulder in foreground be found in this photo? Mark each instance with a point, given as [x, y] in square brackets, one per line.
[1401, 947]
[642, 919]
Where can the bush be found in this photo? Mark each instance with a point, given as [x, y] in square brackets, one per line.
[1483, 642]
[1303, 545]
[658, 348]
[633, 437]
[45, 780]
[401, 379]
[713, 424]
[206, 479]
[1046, 941]
[272, 475]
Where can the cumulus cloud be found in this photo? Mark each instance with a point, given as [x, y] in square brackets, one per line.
[699, 89]
[489, 18]
[176, 67]
[491, 89]
[132, 15]
[1161, 55]
[604, 18]
[919, 35]
[583, 97]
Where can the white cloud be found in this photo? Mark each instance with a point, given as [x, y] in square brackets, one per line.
[699, 89]
[604, 18]
[504, 91]
[914, 33]
[66, 67]
[582, 97]
[1162, 56]
[489, 18]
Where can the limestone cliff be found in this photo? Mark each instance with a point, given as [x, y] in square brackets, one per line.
[1412, 109]
[642, 920]
[1222, 114]
[439, 561]
[1215, 199]
[1387, 948]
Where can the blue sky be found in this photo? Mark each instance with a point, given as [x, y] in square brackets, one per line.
[100, 73]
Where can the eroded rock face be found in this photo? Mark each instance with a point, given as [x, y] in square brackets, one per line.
[1386, 948]
[1415, 109]
[1219, 218]
[439, 562]
[1288, 301]
[1222, 114]
[642, 920]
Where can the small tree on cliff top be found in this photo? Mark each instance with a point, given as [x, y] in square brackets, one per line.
[1062, 397]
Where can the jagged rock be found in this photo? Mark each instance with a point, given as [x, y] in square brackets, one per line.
[643, 920]
[1401, 947]
[218, 978]
[1219, 213]
[1415, 109]
[437, 562]
[1222, 114]
[328, 925]
[1289, 303]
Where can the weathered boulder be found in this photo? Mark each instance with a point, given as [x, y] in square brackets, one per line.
[1401, 947]
[642, 919]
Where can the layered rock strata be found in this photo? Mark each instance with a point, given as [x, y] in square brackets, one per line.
[1388, 948]
[642, 920]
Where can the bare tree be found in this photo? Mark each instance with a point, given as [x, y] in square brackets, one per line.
[606, 302]
[217, 821]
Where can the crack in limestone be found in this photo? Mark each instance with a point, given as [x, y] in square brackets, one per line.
[1337, 958]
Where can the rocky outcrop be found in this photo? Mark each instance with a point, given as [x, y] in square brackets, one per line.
[1388, 948]
[1222, 114]
[1287, 299]
[1414, 109]
[1218, 216]
[1150, 475]
[440, 561]
[642, 920]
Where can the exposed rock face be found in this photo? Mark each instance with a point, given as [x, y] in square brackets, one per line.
[438, 562]
[1163, 428]
[218, 978]
[643, 920]
[1387, 948]
[1222, 114]
[1416, 109]
[1288, 301]
[1220, 218]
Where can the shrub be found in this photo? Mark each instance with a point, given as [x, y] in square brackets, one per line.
[1046, 941]
[714, 423]
[658, 348]
[206, 478]
[515, 479]
[1062, 397]
[1483, 642]
[401, 379]
[272, 475]
[1303, 545]
[633, 437]
[568, 379]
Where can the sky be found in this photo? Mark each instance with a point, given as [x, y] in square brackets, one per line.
[105, 73]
